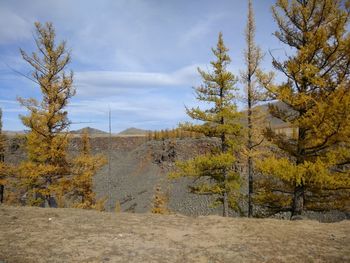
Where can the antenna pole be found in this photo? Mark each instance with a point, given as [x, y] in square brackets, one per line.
[109, 205]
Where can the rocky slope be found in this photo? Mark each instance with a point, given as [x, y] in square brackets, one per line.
[139, 166]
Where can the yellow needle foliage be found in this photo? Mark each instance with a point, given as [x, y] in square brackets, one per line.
[47, 120]
[2, 152]
[84, 167]
[4, 169]
[255, 118]
[172, 134]
[315, 100]
[3, 173]
[160, 202]
[218, 120]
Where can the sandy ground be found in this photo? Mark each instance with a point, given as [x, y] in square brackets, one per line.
[73, 235]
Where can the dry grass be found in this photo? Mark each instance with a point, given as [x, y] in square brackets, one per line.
[73, 235]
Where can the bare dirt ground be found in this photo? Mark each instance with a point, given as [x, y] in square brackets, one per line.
[72, 235]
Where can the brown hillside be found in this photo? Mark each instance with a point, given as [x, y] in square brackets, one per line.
[73, 235]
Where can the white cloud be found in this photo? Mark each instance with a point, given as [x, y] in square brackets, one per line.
[101, 107]
[128, 55]
[150, 111]
[200, 29]
[11, 106]
[13, 27]
[8, 101]
[14, 110]
[105, 83]
[136, 107]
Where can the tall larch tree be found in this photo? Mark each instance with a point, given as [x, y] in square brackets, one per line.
[315, 101]
[218, 120]
[84, 168]
[253, 57]
[47, 120]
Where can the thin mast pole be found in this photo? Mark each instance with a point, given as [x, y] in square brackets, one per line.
[109, 162]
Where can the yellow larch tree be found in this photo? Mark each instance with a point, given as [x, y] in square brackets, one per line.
[255, 117]
[315, 101]
[47, 120]
[160, 202]
[4, 169]
[219, 120]
[84, 168]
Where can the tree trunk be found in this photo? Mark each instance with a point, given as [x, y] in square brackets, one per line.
[51, 202]
[224, 149]
[225, 204]
[48, 200]
[2, 188]
[298, 200]
[298, 197]
[251, 63]
[48, 197]
[250, 186]
[225, 195]
[250, 148]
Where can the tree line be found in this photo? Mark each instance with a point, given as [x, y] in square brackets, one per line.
[309, 170]
[285, 173]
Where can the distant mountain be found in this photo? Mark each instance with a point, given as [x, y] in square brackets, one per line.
[133, 131]
[264, 109]
[14, 133]
[88, 130]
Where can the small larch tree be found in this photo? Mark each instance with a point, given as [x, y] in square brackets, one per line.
[4, 169]
[218, 120]
[160, 202]
[84, 168]
[47, 120]
[315, 100]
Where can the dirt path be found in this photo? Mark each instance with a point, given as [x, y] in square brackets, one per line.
[72, 235]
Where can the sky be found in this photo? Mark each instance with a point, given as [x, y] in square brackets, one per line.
[137, 57]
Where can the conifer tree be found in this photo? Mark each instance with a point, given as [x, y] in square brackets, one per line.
[160, 202]
[84, 168]
[315, 101]
[219, 120]
[47, 120]
[253, 57]
[3, 166]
